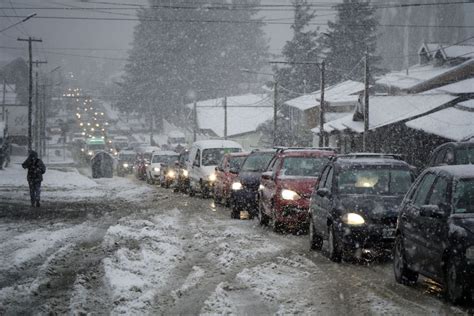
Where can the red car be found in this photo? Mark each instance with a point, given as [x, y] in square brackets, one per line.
[286, 187]
[226, 172]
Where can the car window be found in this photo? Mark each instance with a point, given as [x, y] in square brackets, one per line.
[439, 193]
[303, 166]
[464, 196]
[235, 162]
[424, 187]
[197, 158]
[323, 177]
[212, 156]
[439, 158]
[272, 165]
[449, 157]
[328, 183]
[257, 162]
[465, 156]
[374, 180]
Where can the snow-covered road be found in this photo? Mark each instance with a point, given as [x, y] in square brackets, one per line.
[117, 246]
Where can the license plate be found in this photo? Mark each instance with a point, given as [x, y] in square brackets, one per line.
[388, 233]
[244, 215]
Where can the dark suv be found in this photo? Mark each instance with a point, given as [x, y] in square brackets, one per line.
[452, 153]
[435, 231]
[244, 195]
[355, 204]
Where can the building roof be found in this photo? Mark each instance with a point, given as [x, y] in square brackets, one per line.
[386, 110]
[244, 113]
[418, 74]
[344, 93]
[460, 87]
[455, 123]
[448, 50]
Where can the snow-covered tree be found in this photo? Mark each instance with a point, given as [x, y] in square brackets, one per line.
[303, 47]
[348, 38]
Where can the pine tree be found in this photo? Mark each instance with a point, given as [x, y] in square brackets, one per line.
[303, 47]
[347, 40]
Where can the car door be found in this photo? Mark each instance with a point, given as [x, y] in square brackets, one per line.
[412, 221]
[435, 228]
[320, 213]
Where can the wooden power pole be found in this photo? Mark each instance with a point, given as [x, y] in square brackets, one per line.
[195, 123]
[366, 103]
[275, 112]
[322, 107]
[30, 40]
[225, 117]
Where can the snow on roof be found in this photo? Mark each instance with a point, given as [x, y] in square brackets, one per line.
[244, 113]
[385, 110]
[463, 86]
[416, 75]
[453, 51]
[217, 143]
[455, 123]
[459, 171]
[343, 93]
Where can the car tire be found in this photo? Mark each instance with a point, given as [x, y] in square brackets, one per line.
[315, 241]
[335, 252]
[454, 289]
[262, 217]
[403, 274]
[277, 226]
[234, 213]
[191, 191]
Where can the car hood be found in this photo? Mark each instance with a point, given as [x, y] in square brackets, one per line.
[373, 207]
[302, 185]
[156, 165]
[250, 179]
[207, 170]
[462, 225]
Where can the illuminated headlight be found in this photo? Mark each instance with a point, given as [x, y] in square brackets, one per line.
[353, 219]
[212, 177]
[156, 169]
[185, 173]
[470, 253]
[90, 153]
[261, 187]
[125, 165]
[236, 186]
[290, 195]
[83, 150]
[171, 174]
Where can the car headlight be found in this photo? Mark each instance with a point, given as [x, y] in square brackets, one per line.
[261, 187]
[125, 165]
[156, 169]
[185, 173]
[171, 174]
[290, 195]
[83, 150]
[236, 186]
[353, 219]
[470, 253]
[212, 177]
[90, 153]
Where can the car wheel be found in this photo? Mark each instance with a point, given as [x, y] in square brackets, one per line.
[217, 198]
[403, 274]
[262, 217]
[335, 252]
[234, 213]
[191, 191]
[315, 241]
[277, 226]
[455, 290]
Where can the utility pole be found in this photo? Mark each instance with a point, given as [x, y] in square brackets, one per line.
[195, 123]
[3, 99]
[275, 112]
[366, 103]
[30, 85]
[43, 124]
[225, 117]
[322, 107]
[38, 110]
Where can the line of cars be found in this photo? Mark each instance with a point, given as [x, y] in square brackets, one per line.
[359, 203]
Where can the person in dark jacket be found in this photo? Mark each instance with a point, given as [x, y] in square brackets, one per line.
[36, 169]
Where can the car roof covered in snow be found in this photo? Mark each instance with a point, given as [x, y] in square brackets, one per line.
[176, 134]
[457, 171]
[216, 143]
[165, 153]
[370, 160]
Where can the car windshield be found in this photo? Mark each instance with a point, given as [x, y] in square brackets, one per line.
[128, 157]
[165, 159]
[177, 140]
[96, 147]
[257, 162]
[303, 166]
[147, 156]
[465, 156]
[212, 156]
[464, 196]
[374, 181]
[236, 162]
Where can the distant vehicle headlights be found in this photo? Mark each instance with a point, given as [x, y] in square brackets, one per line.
[470, 254]
[156, 169]
[83, 150]
[125, 165]
[261, 187]
[90, 153]
[236, 186]
[289, 195]
[185, 173]
[212, 177]
[171, 174]
[353, 219]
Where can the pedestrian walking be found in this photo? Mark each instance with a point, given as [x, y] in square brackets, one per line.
[36, 169]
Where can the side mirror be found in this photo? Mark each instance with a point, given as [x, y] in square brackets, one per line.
[324, 192]
[176, 163]
[432, 211]
[234, 170]
[267, 175]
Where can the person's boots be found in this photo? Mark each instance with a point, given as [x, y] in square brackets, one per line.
[32, 203]
[37, 203]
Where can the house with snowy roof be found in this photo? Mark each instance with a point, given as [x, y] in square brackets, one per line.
[245, 113]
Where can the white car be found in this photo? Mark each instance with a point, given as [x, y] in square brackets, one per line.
[204, 156]
[158, 160]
